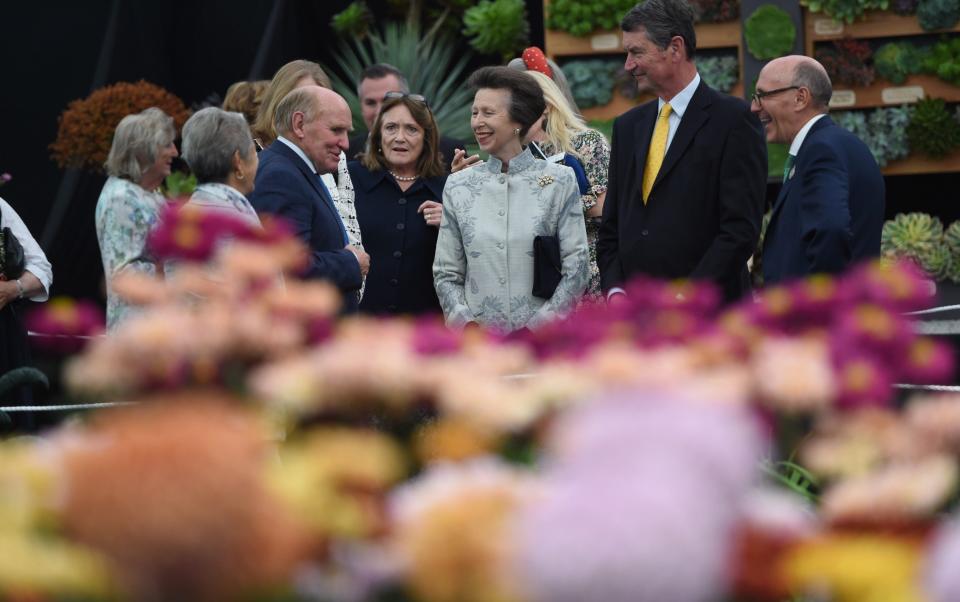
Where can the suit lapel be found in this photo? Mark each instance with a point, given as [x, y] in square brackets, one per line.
[312, 178]
[821, 123]
[691, 122]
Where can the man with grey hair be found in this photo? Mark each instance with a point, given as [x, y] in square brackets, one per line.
[312, 124]
[688, 170]
[829, 212]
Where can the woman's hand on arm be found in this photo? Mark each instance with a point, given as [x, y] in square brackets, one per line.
[432, 212]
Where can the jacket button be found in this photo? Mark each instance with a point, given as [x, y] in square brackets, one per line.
[397, 254]
[644, 233]
[394, 282]
[402, 201]
[400, 226]
[500, 213]
[499, 245]
[503, 281]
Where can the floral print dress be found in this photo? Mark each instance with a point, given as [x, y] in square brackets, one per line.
[593, 150]
[125, 215]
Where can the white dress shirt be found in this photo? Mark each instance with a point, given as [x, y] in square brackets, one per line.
[678, 106]
[36, 260]
[802, 134]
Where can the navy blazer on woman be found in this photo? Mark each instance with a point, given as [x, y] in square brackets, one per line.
[286, 187]
[829, 213]
[400, 243]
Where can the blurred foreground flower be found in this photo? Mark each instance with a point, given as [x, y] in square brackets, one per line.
[63, 324]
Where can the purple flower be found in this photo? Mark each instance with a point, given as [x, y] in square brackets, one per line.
[941, 578]
[4, 178]
[639, 502]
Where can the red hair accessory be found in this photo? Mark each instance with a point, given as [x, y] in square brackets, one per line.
[535, 61]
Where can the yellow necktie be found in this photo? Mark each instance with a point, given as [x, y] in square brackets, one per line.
[658, 148]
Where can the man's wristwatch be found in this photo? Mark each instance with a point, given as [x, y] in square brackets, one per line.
[19, 289]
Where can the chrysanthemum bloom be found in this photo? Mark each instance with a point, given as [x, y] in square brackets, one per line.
[927, 361]
[174, 495]
[63, 324]
[640, 501]
[902, 286]
[935, 420]
[337, 478]
[793, 375]
[857, 568]
[452, 531]
[862, 380]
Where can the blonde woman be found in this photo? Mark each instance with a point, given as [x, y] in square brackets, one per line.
[562, 131]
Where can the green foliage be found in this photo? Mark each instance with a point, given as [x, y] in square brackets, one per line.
[938, 14]
[794, 477]
[497, 27]
[951, 238]
[932, 130]
[719, 72]
[845, 10]
[582, 17]
[179, 184]
[917, 237]
[769, 32]
[882, 130]
[604, 126]
[354, 20]
[433, 64]
[943, 60]
[776, 158]
[591, 81]
[896, 61]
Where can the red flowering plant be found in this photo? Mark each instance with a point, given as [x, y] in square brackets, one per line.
[848, 61]
[86, 126]
[65, 325]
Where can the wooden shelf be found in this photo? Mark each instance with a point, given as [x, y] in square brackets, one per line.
[561, 43]
[875, 24]
[883, 94]
[919, 164]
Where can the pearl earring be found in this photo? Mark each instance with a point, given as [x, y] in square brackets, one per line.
[516, 131]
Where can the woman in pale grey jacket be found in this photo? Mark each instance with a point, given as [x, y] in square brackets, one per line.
[483, 268]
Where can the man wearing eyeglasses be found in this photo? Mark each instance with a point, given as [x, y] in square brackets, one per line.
[829, 212]
[688, 170]
[376, 83]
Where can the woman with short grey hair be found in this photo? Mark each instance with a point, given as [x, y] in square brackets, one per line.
[129, 203]
[219, 148]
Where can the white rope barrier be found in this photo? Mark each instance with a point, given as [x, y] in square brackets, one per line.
[43, 335]
[932, 310]
[940, 388]
[66, 407]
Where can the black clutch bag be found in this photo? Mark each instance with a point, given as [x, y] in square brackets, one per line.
[12, 260]
[546, 266]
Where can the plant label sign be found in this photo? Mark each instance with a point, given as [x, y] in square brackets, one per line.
[843, 98]
[827, 27]
[605, 41]
[901, 95]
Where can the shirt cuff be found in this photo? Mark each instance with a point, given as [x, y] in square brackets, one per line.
[615, 291]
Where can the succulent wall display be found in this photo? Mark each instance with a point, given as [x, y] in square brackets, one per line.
[938, 14]
[896, 61]
[497, 27]
[943, 60]
[715, 11]
[719, 72]
[845, 10]
[951, 238]
[882, 130]
[917, 237]
[592, 81]
[932, 129]
[847, 62]
[769, 32]
[582, 17]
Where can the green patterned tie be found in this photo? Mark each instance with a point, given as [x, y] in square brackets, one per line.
[791, 159]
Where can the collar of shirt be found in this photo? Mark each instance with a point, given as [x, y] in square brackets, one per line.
[802, 134]
[299, 152]
[679, 103]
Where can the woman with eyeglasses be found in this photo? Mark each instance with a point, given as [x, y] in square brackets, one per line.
[497, 215]
[398, 184]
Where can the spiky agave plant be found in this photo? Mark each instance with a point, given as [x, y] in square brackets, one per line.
[918, 237]
[432, 62]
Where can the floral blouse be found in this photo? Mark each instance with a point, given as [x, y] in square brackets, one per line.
[483, 268]
[593, 150]
[125, 215]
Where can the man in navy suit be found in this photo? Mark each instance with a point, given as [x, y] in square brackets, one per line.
[312, 124]
[688, 170]
[829, 213]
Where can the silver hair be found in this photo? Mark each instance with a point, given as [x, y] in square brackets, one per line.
[298, 100]
[210, 138]
[816, 80]
[558, 78]
[137, 141]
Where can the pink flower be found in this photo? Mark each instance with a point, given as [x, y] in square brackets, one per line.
[862, 380]
[188, 233]
[63, 324]
[927, 361]
[902, 285]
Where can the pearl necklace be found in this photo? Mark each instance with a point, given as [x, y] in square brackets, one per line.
[403, 178]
